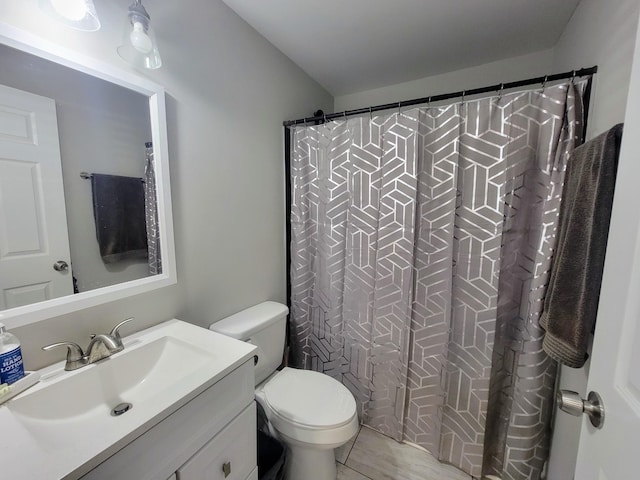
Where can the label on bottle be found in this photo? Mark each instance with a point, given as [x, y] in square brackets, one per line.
[11, 367]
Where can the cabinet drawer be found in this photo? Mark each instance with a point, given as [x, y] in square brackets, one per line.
[230, 455]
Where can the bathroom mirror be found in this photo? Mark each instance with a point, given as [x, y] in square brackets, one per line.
[67, 123]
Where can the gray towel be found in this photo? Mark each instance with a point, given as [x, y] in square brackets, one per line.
[571, 302]
[118, 210]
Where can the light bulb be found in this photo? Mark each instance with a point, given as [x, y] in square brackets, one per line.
[70, 9]
[139, 39]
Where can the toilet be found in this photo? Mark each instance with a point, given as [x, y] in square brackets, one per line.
[309, 411]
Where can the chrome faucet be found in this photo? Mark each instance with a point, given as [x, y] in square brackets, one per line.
[101, 346]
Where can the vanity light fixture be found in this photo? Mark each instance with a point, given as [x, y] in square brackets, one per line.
[139, 47]
[78, 14]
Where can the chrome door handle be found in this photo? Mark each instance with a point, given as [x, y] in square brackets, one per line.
[571, 403]
[60, 266]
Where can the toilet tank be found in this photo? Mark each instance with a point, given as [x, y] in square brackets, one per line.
[263, 325]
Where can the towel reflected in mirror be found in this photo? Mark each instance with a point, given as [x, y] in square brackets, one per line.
[119, 213]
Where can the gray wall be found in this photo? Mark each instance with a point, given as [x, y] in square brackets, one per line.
[228, 91]
[501, 71]
[602, 33]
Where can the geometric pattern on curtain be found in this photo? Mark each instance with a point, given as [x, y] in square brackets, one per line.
[151, 212]
[521, 397]
[352, 227]
[420, 252]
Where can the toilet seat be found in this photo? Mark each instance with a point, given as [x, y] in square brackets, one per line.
[310, 407]
[309, 398]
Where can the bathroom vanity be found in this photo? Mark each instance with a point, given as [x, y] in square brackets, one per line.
[197, 438]
[192, 411]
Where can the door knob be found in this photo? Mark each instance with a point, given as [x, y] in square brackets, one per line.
[60, 266]
[571, 402]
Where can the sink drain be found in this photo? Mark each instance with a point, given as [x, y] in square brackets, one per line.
[120, 409]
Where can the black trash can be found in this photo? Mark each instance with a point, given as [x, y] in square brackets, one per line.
[272, 453]
[271, 458]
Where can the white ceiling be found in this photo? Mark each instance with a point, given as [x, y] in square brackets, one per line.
[354, 45]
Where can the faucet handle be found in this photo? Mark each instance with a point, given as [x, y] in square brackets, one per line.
[115, 331]
[74, 352]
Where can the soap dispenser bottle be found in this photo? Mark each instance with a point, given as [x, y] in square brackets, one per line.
[11, 366]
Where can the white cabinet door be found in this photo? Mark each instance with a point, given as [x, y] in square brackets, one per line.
[33, 220]
[231, 455]
[612, 452]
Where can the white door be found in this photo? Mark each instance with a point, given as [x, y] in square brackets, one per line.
[33, 220]
[614, 451]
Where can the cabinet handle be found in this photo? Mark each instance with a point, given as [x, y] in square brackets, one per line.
[226, 469]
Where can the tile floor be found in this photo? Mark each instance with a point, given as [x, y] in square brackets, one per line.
[373, 456]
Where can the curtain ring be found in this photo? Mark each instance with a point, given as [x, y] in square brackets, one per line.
[544, 83]
[464, 93]
[305, 122]
[500, 91]
[324, 118]
[399, 107]
[573, 76]
[371, 114]
[345, 115]
[429, 102]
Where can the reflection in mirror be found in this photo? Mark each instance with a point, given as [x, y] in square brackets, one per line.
[77, 183]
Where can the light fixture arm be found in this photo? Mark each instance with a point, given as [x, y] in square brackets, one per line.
[137, 13]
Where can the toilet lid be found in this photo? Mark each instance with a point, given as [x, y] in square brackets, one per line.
[310, 398]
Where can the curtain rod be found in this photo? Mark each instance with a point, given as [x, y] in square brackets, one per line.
[446, 96]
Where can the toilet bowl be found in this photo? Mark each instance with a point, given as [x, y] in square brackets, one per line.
[312, 414]
[309, 411]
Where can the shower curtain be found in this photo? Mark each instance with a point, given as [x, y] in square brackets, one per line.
[151, 212]
[420, 250]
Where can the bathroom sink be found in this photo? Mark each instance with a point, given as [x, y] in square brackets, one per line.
[67, 424]
[134, 376]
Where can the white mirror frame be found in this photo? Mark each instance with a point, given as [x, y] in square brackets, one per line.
[28, 314]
